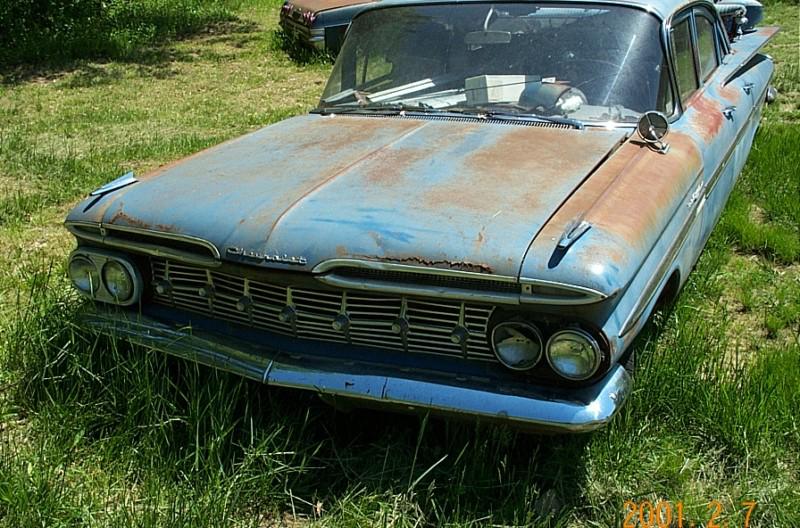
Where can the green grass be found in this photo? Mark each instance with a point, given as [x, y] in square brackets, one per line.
[47, 32]
[97, 432]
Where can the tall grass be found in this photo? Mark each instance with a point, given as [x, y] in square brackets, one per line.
[33, 31]
[108, 434]
[763, 214]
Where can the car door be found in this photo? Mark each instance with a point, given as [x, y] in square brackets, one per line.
[717, 107]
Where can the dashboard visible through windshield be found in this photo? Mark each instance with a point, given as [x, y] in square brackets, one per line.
[593, 63]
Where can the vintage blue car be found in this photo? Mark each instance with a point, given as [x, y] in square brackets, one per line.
[477, 220]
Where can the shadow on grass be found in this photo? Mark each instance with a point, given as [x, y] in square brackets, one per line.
[299, 52]
[151, 60]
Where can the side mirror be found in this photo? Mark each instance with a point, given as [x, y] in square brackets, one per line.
[652, 128]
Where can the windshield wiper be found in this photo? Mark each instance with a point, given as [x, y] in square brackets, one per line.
[512, 114]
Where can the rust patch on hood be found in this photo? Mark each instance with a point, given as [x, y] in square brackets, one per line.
[122, 218]
[628, 197]
[438, 264]
[503, 172]
[128, 220]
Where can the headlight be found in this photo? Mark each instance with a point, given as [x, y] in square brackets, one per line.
[117, 281]
[84, 275]
[573, 354]
[517, 345]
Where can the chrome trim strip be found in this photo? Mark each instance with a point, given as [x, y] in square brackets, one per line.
[573, 410]
[588, 295]
[332, 264]
[422, 290]
[149, 249]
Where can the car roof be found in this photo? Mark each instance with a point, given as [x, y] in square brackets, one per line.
[661, 8]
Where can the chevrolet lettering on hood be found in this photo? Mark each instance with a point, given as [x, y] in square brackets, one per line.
[265, 257]
[477, 220]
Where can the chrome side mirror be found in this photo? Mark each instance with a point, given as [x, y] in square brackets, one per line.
[652, 128]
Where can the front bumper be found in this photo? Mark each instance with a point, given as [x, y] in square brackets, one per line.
[563, 410]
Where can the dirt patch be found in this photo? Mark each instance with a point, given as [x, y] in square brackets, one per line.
[758, 306]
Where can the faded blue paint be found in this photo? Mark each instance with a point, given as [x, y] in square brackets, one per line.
[465, 195]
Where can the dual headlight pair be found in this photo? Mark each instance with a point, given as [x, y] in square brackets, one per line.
[105, 277]
[572, 353]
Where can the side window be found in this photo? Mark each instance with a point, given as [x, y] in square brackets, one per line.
[684, 58]
[706, 49]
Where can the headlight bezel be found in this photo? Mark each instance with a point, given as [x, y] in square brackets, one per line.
[550, 321]
[99, 258]
[590, 339]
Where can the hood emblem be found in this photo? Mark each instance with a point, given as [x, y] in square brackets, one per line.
[250, 254]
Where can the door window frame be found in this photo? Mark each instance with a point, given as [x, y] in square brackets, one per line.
[720, 44]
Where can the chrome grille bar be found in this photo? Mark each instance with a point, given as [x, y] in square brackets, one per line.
[446, 327]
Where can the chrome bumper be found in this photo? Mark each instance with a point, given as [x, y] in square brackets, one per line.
[565, 410]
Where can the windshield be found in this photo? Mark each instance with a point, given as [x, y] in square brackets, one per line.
[589, 63]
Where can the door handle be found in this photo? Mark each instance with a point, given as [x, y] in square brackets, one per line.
[728, 112]
[747, 87]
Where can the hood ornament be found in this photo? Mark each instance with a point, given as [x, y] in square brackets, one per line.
[573, 232]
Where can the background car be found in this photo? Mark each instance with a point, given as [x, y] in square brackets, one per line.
[319, 24]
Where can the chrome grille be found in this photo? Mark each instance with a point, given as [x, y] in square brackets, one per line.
[430, 322]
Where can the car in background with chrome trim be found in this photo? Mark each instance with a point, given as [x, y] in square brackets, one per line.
[477, 220]
[319, 24]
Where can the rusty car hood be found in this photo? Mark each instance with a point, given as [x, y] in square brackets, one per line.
[449, 194]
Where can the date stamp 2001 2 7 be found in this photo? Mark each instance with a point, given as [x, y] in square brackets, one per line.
[666, 514]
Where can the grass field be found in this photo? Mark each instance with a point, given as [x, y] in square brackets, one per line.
[99, 433]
